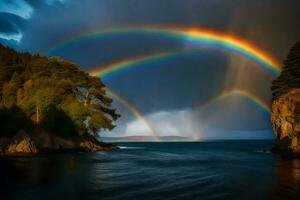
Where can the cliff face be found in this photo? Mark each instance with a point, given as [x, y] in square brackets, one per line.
[285, 112]
[285, 119]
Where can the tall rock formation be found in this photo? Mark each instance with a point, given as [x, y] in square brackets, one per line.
[285, 112]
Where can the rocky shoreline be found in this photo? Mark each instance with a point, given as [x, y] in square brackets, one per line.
[23, 143]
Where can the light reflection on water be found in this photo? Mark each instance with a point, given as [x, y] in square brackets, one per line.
[212, 170]
[287, 184]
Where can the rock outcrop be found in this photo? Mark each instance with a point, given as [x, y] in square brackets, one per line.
[90, 144]
[285, 119]
[23, 143]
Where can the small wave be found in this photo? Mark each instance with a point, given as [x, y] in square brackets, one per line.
[122, 147]
[263, 151]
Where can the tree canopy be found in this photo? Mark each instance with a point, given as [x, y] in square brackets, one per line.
[290, 74]
[50, 93]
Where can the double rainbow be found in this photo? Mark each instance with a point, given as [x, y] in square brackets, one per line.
[197, 37]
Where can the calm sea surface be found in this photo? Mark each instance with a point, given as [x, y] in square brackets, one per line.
[144, 170]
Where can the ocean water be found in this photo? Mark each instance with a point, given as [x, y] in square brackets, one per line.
[148, 170]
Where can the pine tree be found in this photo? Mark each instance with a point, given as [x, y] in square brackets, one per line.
[290, 75]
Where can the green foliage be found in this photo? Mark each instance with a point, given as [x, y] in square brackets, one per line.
[99, 121]
[290, 74]
[78, 113]
[50, 93]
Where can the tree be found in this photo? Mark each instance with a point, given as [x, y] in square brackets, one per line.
[54, 94]
[290, 74]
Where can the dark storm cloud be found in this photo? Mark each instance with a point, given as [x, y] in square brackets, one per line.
[78, 16]
[17, 7]
[12, 20]
[14, 15]
[11, 27]
[172, 84]
[7, 25]
[64, 18]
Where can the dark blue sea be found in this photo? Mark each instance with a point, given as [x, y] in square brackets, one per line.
[148, 170]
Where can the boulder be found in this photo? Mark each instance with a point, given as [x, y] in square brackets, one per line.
[22, 143]
[90, 144]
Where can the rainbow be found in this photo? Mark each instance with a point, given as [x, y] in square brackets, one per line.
[198, 37]
[131, 63]
[134, 111]
[252, 98]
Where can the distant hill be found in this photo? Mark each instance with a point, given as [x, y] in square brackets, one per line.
[144, 138]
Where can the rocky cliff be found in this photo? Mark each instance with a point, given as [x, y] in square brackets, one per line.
[286, 122]
[285, 111]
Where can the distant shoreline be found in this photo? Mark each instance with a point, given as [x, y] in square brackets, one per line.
[141, 138]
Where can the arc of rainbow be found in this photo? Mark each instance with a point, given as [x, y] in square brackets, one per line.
[245, 94]
[255, 100]
[197, 36]
[131, 63]
[134, 111]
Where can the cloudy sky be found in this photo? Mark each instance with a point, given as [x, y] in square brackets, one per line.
[172, 95]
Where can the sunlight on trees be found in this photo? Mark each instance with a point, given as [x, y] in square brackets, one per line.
[52, 94]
